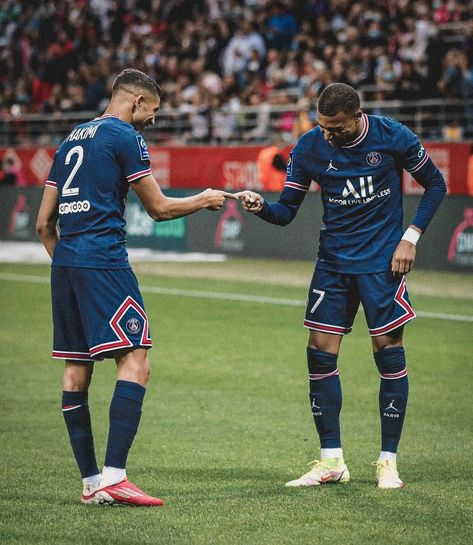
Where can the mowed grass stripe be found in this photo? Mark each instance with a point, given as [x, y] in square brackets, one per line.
[226, 296]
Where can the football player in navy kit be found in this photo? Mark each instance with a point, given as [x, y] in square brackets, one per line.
[363, 256]
[98, 310]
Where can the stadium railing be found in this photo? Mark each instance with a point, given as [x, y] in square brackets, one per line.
[450, 120]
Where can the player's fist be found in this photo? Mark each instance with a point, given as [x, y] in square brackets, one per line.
[403, 258]
[214, 198]
[251, 201]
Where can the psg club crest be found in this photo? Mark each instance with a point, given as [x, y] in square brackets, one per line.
[133, 326]
[373, 158]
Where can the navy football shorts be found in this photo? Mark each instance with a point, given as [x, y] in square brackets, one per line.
[334, 299]
[96, 312]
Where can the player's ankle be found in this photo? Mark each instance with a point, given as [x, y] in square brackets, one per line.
[111, 476]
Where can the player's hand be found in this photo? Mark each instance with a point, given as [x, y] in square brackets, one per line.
[214, 199]
[403, 258]
[251, 201]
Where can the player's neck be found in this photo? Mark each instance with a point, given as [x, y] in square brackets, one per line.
[119, 109]
[360, 127]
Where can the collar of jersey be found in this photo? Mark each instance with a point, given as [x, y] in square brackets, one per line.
[363, 134]
[106, 115]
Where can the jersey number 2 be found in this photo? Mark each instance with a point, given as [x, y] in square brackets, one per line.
[79, 150]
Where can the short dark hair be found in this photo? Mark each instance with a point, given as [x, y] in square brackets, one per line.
[338, 97]
[135, 79]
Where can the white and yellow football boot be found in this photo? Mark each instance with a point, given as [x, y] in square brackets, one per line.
[387, 475]
[327, 470]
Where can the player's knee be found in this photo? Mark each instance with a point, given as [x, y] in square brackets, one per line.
[134, 366]
[321, 363]
[77, 377]
[391, 361]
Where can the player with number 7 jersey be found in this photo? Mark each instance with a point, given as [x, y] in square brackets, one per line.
[363, 257]
[98, 311]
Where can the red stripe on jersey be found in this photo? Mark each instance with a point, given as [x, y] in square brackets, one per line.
[419, 165]
[140, 174]
[294, 185]
[50, 183]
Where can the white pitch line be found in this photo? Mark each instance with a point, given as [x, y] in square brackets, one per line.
[225, 296]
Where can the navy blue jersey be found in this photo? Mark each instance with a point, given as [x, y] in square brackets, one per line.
[361, 192]
[92, 170]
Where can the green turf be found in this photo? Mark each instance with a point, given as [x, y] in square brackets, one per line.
[226, 423]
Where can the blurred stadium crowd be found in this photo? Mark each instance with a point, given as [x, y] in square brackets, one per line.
[223, 54]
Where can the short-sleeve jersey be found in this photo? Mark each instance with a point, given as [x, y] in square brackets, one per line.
[361, 191]
[92, 170]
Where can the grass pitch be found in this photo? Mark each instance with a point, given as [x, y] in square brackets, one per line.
[226, 421]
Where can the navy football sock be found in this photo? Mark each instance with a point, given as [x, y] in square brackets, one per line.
[125, 414]
[325, 396]
[393, 393]
[75, 409]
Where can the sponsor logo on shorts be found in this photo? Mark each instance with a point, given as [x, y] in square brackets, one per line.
[74, 207]
[133, 325]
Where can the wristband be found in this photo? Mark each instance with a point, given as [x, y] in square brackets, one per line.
[411, 235]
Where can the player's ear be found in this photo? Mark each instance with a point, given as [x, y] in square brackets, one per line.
[139, 101]
[358, 115]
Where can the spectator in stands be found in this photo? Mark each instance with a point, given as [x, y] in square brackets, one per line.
[271, 163]
[7, 173]
[62, 57]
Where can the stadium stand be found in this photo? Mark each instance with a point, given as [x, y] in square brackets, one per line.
[218, 58]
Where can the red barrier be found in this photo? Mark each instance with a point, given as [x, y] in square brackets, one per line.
[231, 167]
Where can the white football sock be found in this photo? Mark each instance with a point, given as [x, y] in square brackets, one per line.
[331, 453]
[93, 480]
[384, 455]
[112, 475]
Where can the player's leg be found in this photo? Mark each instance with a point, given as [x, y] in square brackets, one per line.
[390, 359]
[329, 315]
[116, 325]
[387, 309]
[70, 343]
[133, 371]
[75, 409]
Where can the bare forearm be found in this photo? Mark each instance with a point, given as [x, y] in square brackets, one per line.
[171, 208]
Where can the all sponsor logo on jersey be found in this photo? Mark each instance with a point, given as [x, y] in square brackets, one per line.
[359, 192]
[373, 158]
[144, 153]
[74, 207]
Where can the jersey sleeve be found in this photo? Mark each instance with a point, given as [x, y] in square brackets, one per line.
[296, 176]
[295, 188]
[133, 155]
[412, 153]
[51, 180]
[414, 159]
